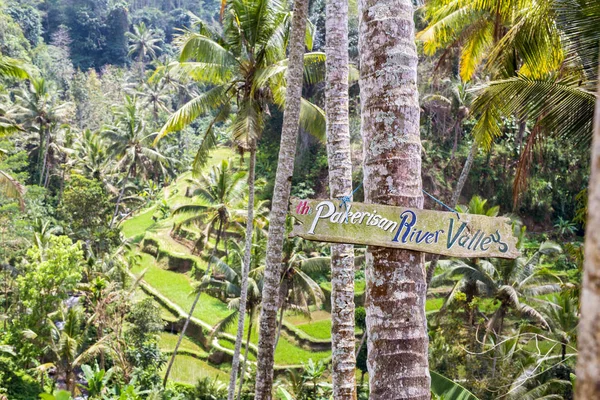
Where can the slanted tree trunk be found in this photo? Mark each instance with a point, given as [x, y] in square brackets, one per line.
[454, 201]
[280, 321]
[189, 317]
[340, 184]
[588, 361]
[396, 288]
[281, 195]
[235, 363]
[243, 370]
[45, 156]
[125, 180]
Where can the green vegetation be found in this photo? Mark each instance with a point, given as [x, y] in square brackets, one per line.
[189, 370]
[126, 134]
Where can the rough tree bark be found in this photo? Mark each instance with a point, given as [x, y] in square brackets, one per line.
[462, 179]
[235, 363]
[340, 184]
[281, 195]
[396, 287]
[588, 361]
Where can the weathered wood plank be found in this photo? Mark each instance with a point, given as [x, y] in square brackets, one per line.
[437, 232]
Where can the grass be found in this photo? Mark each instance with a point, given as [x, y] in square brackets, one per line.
[177, 287]
[299, 319]
[188, 369]
[228, 345]
[139, 224]
[434, 304]
[359, 286]
[167, 342]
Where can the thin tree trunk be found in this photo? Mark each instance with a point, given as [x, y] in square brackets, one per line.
[455, 144]
[279, 326]
[181, 336]
[40, 155]
[454, 201]
[360, 345]
[588, 361]
[235, 363]
[243, 370]
[45, 156]
[281, 195]
[125, 180]
[340, 184]
[396, 288]
[189, 317]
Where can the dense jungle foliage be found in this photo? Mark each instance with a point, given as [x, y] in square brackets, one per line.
[110, 228]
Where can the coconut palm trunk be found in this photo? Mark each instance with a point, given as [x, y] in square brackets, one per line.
[396, 287]
[189, 317]
[462, 179]
[243, 370]
[125, 180]
[340, 184]
[588, 361]
[235, 363]
[281, 195]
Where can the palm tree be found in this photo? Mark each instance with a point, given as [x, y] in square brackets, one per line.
[297, 290]
[588, 360]
[508, 281]
[292, 117]
[553, 87]
[340, 185]
[218, 195]
[498, 33]
[10, 187]
[245, 67]
[132, 145]
[40, 111]
[90, 157]
[12, 68]
[562, 315]
[143, 42]
[67, 344]
[397, 328]
[232, 283]
[156, 96]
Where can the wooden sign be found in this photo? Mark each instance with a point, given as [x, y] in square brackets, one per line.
[438, 232]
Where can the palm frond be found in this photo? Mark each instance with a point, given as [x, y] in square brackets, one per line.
[12, 188]
[200, 105]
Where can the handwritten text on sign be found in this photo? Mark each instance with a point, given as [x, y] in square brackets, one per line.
[456, 235]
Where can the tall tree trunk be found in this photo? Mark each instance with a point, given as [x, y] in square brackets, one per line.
[454, 201]
[588, 361]
[189, 317]
[235, 363]
[361, 344]
[40, 154]
[281, 196]
[125, 180]
[180, 339]
[340, 184]
[243, 370]
[396, 287]
[279, 324]
[45, 156]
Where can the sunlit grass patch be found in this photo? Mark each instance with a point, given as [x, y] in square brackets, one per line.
[188, 369]
[178, 287]
[167, 342]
